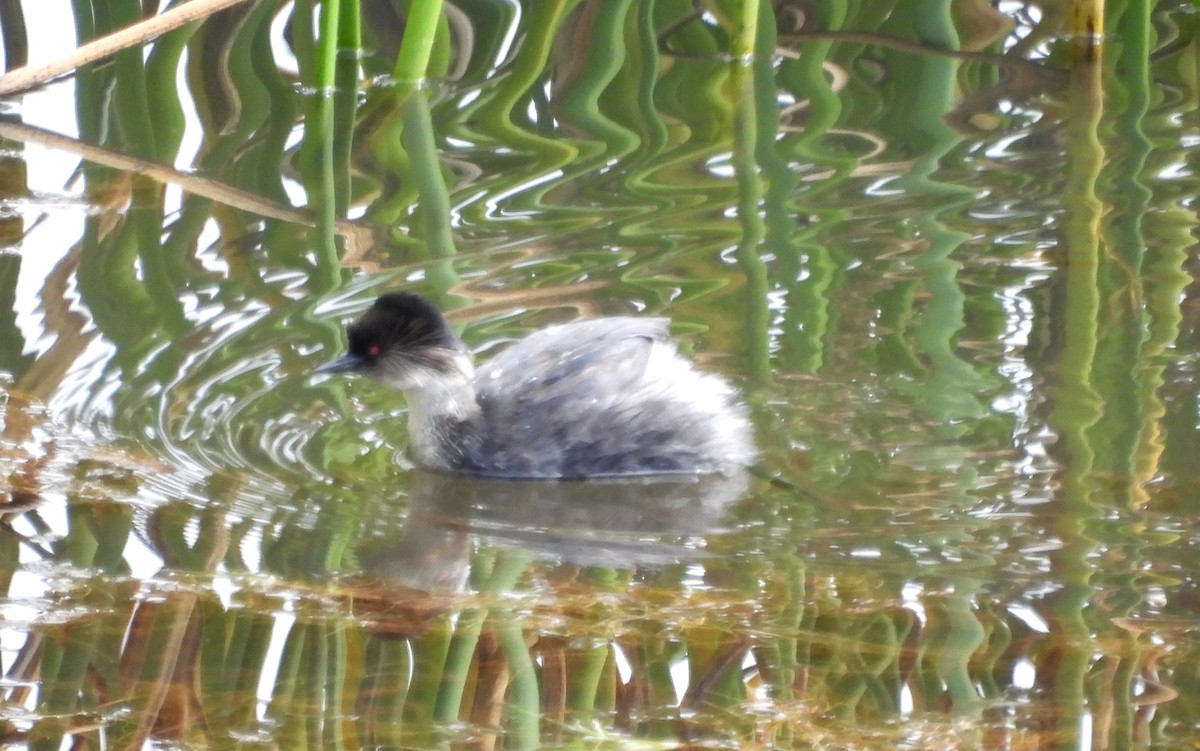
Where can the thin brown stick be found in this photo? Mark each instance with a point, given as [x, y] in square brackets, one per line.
[23, 79]
[200, 186]
[194, 184]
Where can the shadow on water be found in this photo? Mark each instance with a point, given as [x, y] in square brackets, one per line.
[603, 525]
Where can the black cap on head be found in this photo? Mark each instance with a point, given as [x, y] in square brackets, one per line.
[397, 322]
[406, 305]
[400, 319]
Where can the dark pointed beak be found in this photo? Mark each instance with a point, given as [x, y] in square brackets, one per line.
[344, 364]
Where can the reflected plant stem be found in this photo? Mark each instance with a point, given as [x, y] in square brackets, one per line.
[950, 393]
[459, 659]
[714, 657]
[651, 659]
[778, 657]
[63, 665]
[526, 72]
[954, 632]
[72, 334]
[1077, 404]
[130, 105]
[162, 64]
[587, 669]
[144, 219]
[954, 635]
[1169, 266]
[1161, 300]
[750, 201]
[507, 569]
[110, 286]
[803, 255]
[584, 100]
[953, 384]
[429, 655]
[387, 674]
[154, 653]
[288, 679]
[179, 15]
[432, 221]
[316, 673]
[523, 695]
[343, 677]
[239, 651]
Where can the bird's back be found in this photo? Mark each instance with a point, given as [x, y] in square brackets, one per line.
[607, 396]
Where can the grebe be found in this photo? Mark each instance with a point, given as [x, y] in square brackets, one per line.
[602, 397]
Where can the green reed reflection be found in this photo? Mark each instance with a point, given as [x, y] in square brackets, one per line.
[956, 285]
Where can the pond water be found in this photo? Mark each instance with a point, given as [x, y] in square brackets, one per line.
[945, 251]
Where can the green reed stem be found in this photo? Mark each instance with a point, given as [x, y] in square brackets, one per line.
[388, 669]
[751, 190]
[459, 658]
[161, 68]
[502, 577]
[326, 145]
[745, 39]
[500, 112]
[412, 62]
[289, 678]
[587, 665]
[432, 221]
[1131, 423]
[523, 697]
[1078, 404]
[322, 144]
[429, 651]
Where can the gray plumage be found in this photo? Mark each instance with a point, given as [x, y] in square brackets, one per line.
[593, 398]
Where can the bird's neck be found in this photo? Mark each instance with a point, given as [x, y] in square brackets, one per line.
[440, 414]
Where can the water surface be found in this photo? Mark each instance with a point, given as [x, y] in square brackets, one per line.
[947, 259]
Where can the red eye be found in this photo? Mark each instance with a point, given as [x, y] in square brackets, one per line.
[373, 351]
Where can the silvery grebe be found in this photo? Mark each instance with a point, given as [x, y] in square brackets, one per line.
[602, 397]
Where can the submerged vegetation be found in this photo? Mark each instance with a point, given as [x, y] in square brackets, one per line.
[950, 245]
